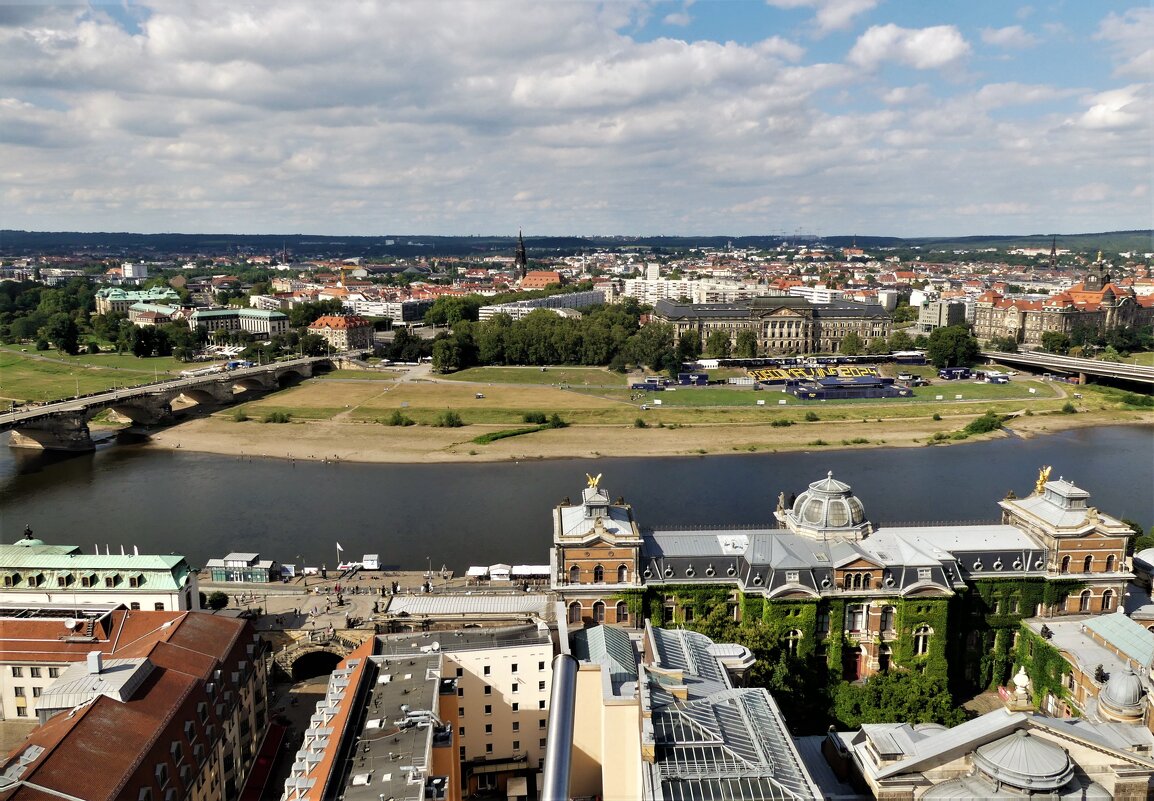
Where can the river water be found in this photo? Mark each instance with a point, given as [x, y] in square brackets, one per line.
[205, 506]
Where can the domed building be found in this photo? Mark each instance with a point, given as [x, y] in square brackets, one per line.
[1123, 699]
[826, 510]
[1001, 754]
[875, 592]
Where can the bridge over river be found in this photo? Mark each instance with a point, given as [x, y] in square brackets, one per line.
[63, 425]
[1082, 368]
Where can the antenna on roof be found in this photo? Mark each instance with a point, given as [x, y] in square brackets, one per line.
[135, 551]
[122, 549]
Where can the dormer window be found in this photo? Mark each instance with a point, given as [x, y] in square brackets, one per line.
[136, 580]
[88, 580]
[65, 580]
[112, 581]
[11, 579]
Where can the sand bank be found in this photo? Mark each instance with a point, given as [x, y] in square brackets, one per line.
[373, 442]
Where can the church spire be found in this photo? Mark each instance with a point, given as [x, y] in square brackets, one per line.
[521, 260]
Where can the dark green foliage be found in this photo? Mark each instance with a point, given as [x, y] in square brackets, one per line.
[745, 346]
[1055, 342]
[990, 421]
[398, 418]
[851, 344]
[1069, 408]
[217, 600]
[493, 436]
[306, 313]
[239, 415]
[640, 423]
[534, 417]
[718, 344]
[449, 419]
[1043, 664]
[781, 422]
[277, 417]
[1004, 344]
[896, 696]
[952, 346]
[811, 417]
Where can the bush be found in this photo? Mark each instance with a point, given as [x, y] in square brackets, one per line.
[239, 416]
[217, 600]
[277, 417]
[397, 418]
[781, 422]
[811, 417]
[534, 417]
[555, 421]
[1069, 408]
[990, 421]
[937, 416]
[449, 419]
[640, 423]
[93, 347]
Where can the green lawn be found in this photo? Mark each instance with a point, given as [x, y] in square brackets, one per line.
[27, 379]
[573, 376]
[114, 361]
[1144, 359]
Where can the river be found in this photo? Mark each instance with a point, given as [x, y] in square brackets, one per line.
[205, 506]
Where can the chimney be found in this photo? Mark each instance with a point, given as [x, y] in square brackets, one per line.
[95, 662]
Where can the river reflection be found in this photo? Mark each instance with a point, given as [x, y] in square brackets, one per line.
[205, 506]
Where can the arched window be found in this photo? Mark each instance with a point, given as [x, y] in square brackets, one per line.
[1110, 563]
[575, 612]
[848, 581]
[1107, 600]
[622, 612]
[1084, 601]
[574, 574]
[867, 581]
[922, 640]
[1065, 564]
[791, 641]
[598, 612]
[857, 581]
[888, 615]
[598, 574]
[622, 574]
[1086, 565]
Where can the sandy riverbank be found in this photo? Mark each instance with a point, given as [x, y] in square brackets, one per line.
[371, 442]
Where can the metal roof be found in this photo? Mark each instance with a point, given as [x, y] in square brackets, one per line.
[508, 603]
[609, 646]
[1129, 637]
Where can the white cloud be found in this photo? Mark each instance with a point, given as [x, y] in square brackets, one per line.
[830, 15]
[1130, 37]
[1015, 37]
[920, 48]
[1117, 109]
[442, 117]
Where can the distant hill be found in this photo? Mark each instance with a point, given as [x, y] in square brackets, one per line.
[158, 246]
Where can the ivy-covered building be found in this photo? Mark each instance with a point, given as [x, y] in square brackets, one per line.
[831, 585]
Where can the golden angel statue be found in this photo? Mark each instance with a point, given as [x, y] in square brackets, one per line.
[1043, 477]
[593, 480]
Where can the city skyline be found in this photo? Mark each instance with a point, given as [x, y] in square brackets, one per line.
[572, 118]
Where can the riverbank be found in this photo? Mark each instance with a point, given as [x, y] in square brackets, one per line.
[350, 441]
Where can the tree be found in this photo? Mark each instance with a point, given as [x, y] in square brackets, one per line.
[952, 346]
[896, 696]
[61, 331]
[905, 313]
[850, 345]
[217, 600]
[1004, 344]
[1055, 342]
[314, 345]
[689, 346]
[718, 344]
[877, 346]
[449, 310]
[746, 346]
[899, 340]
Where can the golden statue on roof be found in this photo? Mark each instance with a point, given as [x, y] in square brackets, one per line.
[1043, 477]
[593, 480]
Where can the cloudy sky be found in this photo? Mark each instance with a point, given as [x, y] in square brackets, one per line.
[901, 117]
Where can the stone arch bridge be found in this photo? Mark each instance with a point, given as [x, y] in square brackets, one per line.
[63, 425]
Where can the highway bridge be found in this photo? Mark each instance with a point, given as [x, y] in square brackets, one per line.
[63, 425]
[1082, 368]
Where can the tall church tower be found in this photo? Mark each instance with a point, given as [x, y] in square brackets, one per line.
[521, 260]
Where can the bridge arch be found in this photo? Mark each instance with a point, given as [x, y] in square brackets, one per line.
[313, 663]
[289, 378]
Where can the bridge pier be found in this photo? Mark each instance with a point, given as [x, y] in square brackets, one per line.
[61, 432]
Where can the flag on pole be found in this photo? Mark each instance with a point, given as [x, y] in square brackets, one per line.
[339, 548]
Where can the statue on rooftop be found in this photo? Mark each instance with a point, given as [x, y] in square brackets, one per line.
[1043, 477]
[593, 480]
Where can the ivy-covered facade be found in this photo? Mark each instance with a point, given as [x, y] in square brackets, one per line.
[824, 587]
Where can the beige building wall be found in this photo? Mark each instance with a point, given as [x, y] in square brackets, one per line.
[606, 740]
[502, 700]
